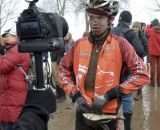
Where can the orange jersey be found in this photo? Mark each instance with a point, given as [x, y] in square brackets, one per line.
[115, 54]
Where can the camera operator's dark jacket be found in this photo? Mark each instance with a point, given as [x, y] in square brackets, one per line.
[35, 113]
[130, 36]
[13, 87]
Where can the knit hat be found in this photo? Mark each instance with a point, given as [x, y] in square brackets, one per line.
[11, 31]
[155, 22]
[136, 24]
[125, 16]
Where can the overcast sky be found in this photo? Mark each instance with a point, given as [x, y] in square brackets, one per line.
[139, 9]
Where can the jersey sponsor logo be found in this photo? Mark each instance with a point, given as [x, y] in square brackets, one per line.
[84, 54]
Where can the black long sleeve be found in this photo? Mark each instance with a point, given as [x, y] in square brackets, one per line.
[35, 113]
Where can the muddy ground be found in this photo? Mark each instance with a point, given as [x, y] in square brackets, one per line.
[146, 115]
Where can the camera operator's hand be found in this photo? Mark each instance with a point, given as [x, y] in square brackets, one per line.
[43, 98]
[99, 102]
[35, 114]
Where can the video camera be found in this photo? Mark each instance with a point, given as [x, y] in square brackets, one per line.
[40, 31]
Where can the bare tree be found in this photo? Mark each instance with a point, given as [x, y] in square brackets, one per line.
[124, 4]
[156, 5]
[63, 6]
[59, 6]
[80, 6]
[7, 11]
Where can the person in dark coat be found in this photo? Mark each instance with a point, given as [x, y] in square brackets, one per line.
[123, 29]
[142, 36]
[55, 59]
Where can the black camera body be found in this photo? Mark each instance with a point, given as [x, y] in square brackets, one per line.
[40, 31]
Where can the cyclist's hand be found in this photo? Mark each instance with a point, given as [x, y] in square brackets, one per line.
[75, 96]
[102, 100]
[98, 104]
[82, 105]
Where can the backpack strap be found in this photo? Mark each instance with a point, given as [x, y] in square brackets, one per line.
[28, 79]
[124, 32]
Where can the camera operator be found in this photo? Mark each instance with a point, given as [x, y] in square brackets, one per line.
[13, 87]
[39, 32]
[35, 114]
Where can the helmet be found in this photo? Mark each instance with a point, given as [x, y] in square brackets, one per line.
[103, 7]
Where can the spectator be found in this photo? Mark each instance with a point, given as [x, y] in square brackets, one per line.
[142, 36]
[13, 88]
[68, 41]
[153, 34]
[123, 29]
[143, 26]
[55, 59]
[86, 33]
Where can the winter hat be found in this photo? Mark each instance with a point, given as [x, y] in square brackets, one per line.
[11, 31]
[86, 33]
[125, 16]
[136, 24]
[155, 22]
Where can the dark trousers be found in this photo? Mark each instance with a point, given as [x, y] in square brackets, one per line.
[155, 72]
[7, 126]
[60, 92]
[80, 123]
[139, 91]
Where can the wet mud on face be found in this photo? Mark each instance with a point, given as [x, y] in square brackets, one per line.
[146, 112]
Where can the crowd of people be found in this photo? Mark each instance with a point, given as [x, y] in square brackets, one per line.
[99, 72]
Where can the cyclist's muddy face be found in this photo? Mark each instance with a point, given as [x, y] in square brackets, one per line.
[98, 23]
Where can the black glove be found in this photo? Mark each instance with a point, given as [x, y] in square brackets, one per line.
[113, 93]
[75, 96]
[82, 105]
[44, 99]
[35, 113]
[98, 104]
